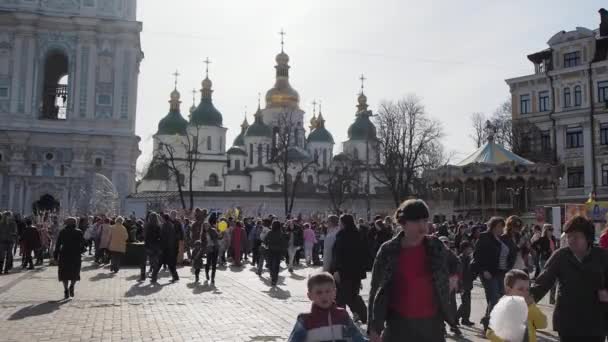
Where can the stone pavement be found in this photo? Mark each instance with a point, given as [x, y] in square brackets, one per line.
[241, 306]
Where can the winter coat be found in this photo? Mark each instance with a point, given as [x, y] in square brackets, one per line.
[309, 237]
[170, 236]
[210, 233]
[8, 229]
[349, 258]
[383, 274]
[543, 247]
[197, 256]
[195, 230]
[275, 241]
[578, 311]
[31, 238]
[104, 240]
[467, 276]
[333, 324]
[152, 235]
[118, 238]
[487, 254]
[68, 252]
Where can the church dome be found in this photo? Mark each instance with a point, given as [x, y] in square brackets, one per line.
[258, 128]
[173, 123]
[282, 94]
[206, 114]
[320, 133]
[362, 128]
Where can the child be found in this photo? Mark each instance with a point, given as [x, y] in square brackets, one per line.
[197, 259]
[325, 322]
[517, 283]
[466, 284]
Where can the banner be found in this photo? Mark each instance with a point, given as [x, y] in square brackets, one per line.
[572, 210]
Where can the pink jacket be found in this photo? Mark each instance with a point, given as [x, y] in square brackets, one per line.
[309, 237]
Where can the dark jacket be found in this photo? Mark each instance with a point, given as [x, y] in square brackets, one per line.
[275, 241]
[68, 253]
[578, 311]
[169, 237]
[349, 257]
[31, 238]
[543, 247]
[513, 245]
[467, 276]
[487, 253]
[214, 236]
[152, 236]
[385, 266]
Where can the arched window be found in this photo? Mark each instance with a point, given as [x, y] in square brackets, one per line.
[260, 154]
[316, 156]
[237, 164]
[267, 153]
[578, 96]
[221, 144]
[213, 180]
[55, 87]
[250, 154]
[310, 179]
[209, 143]
[48, 170]
[355, 153]
[324, 158]
[567, 98]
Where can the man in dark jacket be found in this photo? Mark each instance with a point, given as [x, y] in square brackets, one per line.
[349, 259]
[8, 232]
[31, 242]
[581, 270]
[170, 236]
[276, 245]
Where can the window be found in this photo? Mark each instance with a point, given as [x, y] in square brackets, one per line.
[209, 143]
[221, 144]
[602, 91]
[250, 154]
[260, 154]
[229, 163]
[543, 101]
[574, 137]
[524, 104]
[3, 92]
[267, 153]
[316, 156]
[104, 99]
[572, 59]
[604, 134]
[605, 174]
[237, 165]
[575, 177]
[545, 141]
[195, 144]
[34, 169]
[48, 170]
[567, 98]
[213, 180]
[54, 90]
[578, 98]
[98, 162]
[324, 158]
[0, 157]
[355, 153]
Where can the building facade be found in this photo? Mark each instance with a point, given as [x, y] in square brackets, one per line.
[566, 100]
[68, 94]
[252, 163]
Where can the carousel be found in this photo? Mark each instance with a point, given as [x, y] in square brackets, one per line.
[493, 181]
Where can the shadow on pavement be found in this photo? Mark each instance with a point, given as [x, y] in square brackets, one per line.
[37, 310]
[100, 276]
[278, 293]
[235, 268]
[139, 289]
[198, 288]
[296, 276]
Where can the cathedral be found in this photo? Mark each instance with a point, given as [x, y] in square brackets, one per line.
[227, 175]
[68, 95]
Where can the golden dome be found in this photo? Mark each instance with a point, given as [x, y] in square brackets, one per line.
[282, 95]
[175, 95]
[282, 58]
[206, 83]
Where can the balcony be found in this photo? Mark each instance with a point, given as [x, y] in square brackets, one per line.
[54, 106]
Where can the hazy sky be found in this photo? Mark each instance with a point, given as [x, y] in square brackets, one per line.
[455, 55]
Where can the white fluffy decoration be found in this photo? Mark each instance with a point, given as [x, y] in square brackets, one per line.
[509, 318]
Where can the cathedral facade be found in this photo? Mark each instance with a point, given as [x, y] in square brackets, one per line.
[68, 92]
[250, 167]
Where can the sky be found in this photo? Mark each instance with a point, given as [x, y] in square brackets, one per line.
[454, 55]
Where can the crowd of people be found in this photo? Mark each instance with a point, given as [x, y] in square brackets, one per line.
[417, 268]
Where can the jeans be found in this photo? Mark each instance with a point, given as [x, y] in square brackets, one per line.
[274, 261]
[211, 263]
[494, 289]
[154, 257]
[308, 252]
[464, 310]
[260, 260]
[27, 258]
[6, 257]
[291, 254]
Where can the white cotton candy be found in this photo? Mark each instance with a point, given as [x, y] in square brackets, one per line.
[509, 318]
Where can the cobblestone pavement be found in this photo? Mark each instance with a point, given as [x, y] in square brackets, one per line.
[240, 307]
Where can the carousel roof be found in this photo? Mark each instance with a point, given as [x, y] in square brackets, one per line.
[492, 153]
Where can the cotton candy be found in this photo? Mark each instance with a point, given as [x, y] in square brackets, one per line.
[509, 318]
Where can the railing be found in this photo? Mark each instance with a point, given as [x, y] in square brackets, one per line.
[54, 102]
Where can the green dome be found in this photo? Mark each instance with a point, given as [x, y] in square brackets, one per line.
[362, 128]
[206, 114]
[239, 140]
[259, 128]
[173, 123]
[237, 150]
[320, 134]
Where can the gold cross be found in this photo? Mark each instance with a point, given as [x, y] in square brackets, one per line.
[207, 62]
[314, 107]
[362, 78]
[176, 74]
[282, 33]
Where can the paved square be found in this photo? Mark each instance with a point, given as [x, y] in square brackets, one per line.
[241, 307]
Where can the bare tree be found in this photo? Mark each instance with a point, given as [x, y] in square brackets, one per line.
[502, 120]
[342, 183]
[478, 121]
[167, 155]
[289, 158]
[408, 143]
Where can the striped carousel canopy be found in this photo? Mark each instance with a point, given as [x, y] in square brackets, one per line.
[492, 153]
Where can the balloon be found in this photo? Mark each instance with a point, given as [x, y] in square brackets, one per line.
[222, 226]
